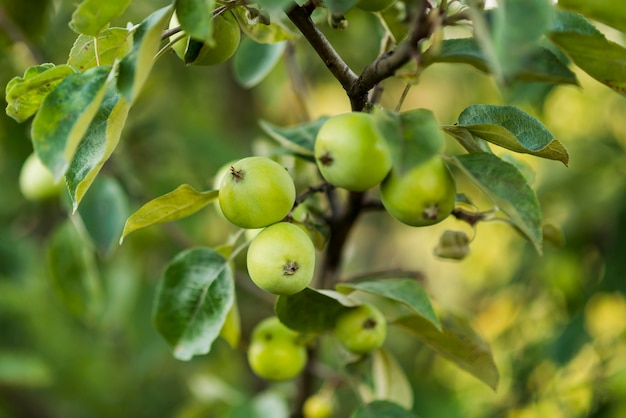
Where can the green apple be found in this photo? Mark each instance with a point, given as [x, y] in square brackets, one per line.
[319, 405]
[36, 181]
[423, 195]
[281, 259]
[351, 153]
[361, 329]
[226, 37]
[374, 5]
[256, 192]
[276, 352]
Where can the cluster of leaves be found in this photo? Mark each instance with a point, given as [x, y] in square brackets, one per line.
[80, 109]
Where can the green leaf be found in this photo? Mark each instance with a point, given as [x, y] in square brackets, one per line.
[299, 138]
[113, 43]
[457, 342]
[65, 116]
[390, 382]
[97, 145]
[192, 301]
[413, 137]
[259, 31]
[590, 50]
[507, 187]
[274, 5]
[512, 128]
[405, 291]
[177, 204]
[196, 18]
[308, 311]
[92, 16]
[73, 272]
[254, 61]
[611, 12]
[103, 212]
[466, 139]
[25, 94]
[137, 64]
[381, 409]
[518, 27]
[540, 65]
[24, 369]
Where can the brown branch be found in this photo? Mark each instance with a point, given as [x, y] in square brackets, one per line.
[300, 16]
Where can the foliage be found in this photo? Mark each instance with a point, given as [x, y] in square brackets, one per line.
[87, 129]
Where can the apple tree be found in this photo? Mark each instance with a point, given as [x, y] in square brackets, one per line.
[293, 204]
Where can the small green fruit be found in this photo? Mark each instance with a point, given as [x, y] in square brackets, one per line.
[361, 329]
[36, 181]
[422, 196]
[256, 192]
[276, 352]
[281, 259]
[318, 406]
[351, 153]
[226, 37]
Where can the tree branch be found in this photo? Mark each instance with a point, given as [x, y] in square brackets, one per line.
[337, 66]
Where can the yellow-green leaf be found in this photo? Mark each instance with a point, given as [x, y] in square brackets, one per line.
[65, 116]
[25, 94]
[177, 204]
[92, 16]
[390, 381]
[112, 44]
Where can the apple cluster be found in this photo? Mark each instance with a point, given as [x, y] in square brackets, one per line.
[351, 153]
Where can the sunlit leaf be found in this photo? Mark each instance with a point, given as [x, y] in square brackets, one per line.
[137, 64]
[103, 212]
[193, 300]
[112, 44]
[177, 204]
[611, 12]
[380, 409]
[231, 330]
[590, 50]
[196, 18]
[24, 369]
[254, 61]
[413, 137]
[97, 145]
[92, 16]
[506, 186]
[298, 138]
[457, 342]
[65, 115]
[25, 94]
[390, 382]
[512, 128]
[308, 311]
[405, 291]
[74, 273]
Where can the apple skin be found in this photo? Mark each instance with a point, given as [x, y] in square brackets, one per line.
[351, 153]
[361, 329]
[36, 181]
[422, 196]
[276, 352]
[256, 192]
[226, 35]
[318, 406]
[281, 259]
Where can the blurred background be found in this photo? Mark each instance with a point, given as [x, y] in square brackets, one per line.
[555, 323]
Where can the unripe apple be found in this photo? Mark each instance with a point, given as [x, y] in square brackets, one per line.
[351, 152]
[36, 181]
[281, 259]
[226, 37]
[276, 352]
[361, 329]
[256, 192]
[422, 196]
[319, 405]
